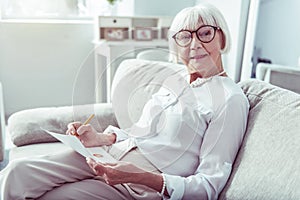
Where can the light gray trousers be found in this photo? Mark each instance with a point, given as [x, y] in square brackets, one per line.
[67, 176]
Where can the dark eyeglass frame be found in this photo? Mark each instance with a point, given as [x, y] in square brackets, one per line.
[215, 28]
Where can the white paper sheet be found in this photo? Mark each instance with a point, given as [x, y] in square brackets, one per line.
[96, 153]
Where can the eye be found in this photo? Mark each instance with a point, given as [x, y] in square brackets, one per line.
[205, 33]
[184, 35]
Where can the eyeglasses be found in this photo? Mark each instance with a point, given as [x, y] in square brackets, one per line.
[204, 33]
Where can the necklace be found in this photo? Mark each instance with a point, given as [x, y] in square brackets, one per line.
[200, 81]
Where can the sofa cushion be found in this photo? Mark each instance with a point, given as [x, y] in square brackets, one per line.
[25, 126]
[267, 165]
[37, 150]
[134, 83]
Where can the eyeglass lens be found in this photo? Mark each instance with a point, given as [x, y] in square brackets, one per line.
[204, 34]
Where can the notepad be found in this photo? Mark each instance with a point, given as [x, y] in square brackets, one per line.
[96, 153]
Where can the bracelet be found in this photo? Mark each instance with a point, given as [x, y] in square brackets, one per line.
[164, 186]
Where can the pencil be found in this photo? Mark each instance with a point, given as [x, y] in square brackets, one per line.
[88, 119]
[86, 122]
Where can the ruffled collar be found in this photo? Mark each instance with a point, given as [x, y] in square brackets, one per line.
[200, 81]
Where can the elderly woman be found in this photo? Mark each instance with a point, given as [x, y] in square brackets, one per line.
[188, 156]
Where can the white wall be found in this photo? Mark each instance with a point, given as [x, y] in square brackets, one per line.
[161, 7]
[40, 61]
[278, 31]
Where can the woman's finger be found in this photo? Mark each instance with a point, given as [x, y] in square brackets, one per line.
[94, 164]
[106, 179]
[84, 128]
[110, 164]
[72, 127]
[100, 169]
[91, 163]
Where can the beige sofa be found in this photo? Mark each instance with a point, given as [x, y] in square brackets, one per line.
[267, 165]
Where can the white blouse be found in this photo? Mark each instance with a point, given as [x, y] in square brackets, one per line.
[192, 134]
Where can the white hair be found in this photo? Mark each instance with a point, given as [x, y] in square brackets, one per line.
[190, 18]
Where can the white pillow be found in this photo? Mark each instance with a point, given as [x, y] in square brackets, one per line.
[25, 126]
[133, 85]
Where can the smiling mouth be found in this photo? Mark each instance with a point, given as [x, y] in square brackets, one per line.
[198, 56]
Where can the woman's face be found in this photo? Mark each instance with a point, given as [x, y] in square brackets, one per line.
[202, 58]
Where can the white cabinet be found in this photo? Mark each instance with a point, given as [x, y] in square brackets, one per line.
[116, 39]
[2, 124]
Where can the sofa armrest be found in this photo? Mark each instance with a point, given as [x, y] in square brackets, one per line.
[283, 76]
[25, 126]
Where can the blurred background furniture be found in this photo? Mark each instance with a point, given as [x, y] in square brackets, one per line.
[283, 76]
[2, 125]
[122, 37]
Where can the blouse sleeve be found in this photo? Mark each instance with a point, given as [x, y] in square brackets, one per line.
[220, 145]
[120, 133]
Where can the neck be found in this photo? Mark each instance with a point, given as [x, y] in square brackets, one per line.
[196, 75]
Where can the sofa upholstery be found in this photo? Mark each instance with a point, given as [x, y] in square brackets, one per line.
[266, 167]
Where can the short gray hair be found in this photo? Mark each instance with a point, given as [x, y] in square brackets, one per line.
[189, 18]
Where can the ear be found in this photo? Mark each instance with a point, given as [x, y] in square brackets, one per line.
[222, 40]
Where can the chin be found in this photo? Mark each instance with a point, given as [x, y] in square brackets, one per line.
[191, 70]
[194, 67]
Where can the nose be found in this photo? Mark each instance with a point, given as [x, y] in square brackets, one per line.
[196, 43]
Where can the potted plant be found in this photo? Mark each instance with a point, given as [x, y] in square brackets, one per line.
[112, 2]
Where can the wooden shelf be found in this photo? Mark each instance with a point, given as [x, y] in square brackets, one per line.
[156, 42]
[109, 52]
[128, 26]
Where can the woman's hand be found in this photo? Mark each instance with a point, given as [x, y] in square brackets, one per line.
[125, 172]
[89, 136]
[117, 173]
